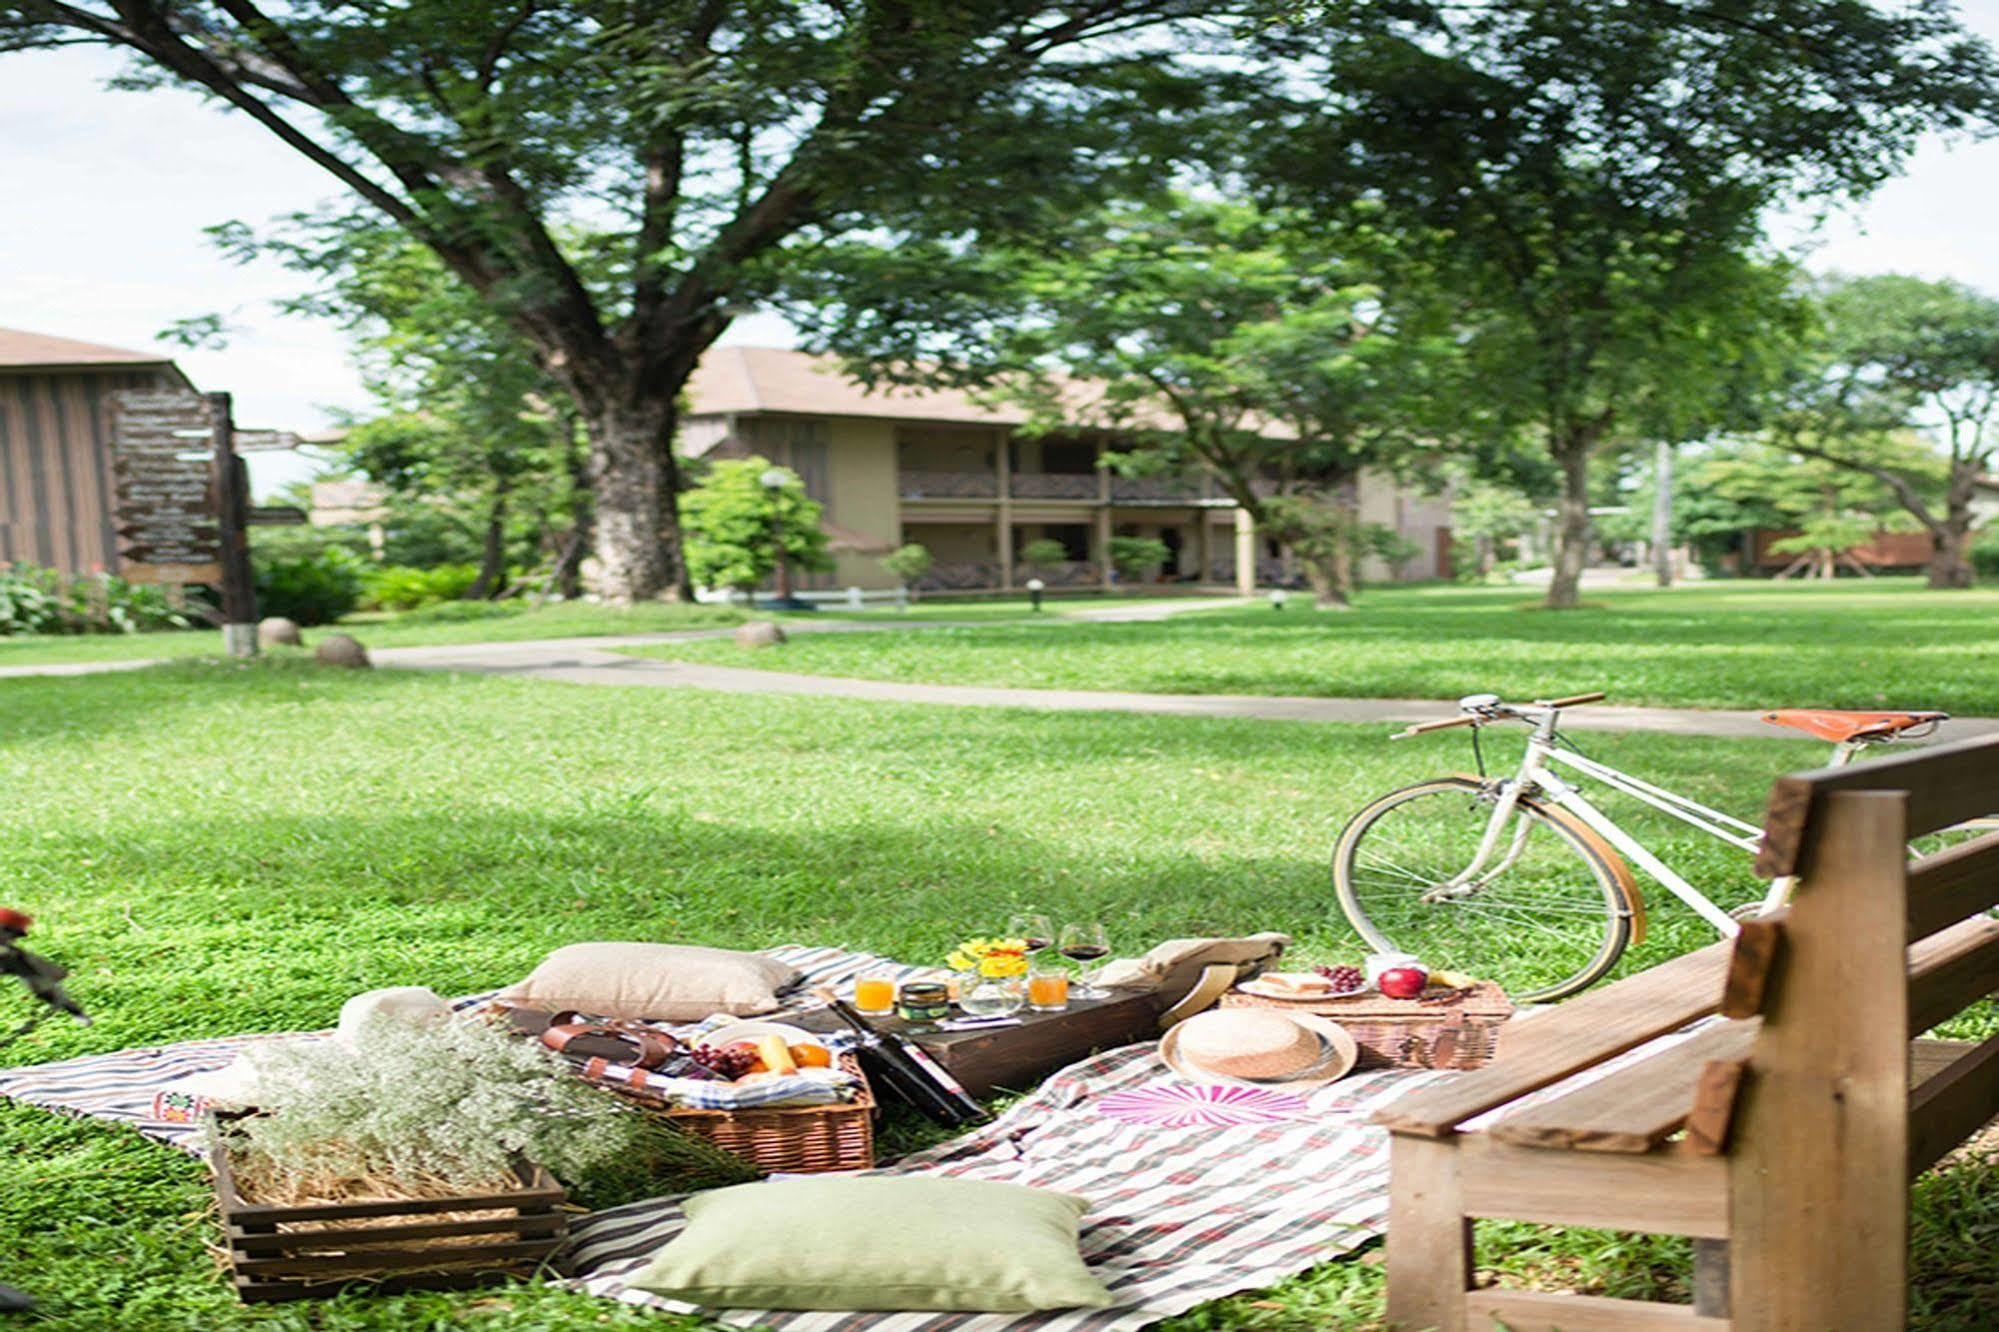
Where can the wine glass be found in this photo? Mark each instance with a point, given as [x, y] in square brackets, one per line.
[1033, 929]
[1084, 942]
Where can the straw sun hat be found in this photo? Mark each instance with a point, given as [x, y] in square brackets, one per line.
[1259, 1046]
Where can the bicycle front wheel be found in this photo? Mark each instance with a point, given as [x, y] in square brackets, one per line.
[1546, 916]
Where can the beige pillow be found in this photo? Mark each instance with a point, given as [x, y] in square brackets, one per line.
[662, 982]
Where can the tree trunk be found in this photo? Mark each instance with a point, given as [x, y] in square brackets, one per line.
[568, 574]
[1572, 533]
[1330, 577]
[1950, 558]
[636, 484]
[493, 557]
[1662, 515]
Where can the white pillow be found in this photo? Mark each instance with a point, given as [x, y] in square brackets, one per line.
[659, 982]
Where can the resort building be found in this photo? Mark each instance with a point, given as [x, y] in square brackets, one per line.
[56, 490]
[955, 475]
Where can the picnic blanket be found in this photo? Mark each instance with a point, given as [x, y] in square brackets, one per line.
[1196, 1193]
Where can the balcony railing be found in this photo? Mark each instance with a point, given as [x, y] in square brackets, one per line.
[960, 575]
[947, 485]
[1156, 490]
[1055, 485]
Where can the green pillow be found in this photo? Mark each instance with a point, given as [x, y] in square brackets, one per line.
[878, 1243]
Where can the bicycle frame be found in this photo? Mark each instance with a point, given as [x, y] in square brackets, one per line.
[1536, 774]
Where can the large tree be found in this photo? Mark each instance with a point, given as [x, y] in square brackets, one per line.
[1256, 347]
[696, 142]
[1901, 351]
[1602, 168]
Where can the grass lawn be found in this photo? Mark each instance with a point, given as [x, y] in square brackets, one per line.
[1732, 645]
[218, 848]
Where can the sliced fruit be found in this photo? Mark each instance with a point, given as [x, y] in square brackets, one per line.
[811, 1056]
[775, 1054]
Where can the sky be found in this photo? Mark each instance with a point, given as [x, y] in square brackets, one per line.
[104, 197]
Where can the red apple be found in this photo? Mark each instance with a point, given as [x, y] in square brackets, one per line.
[1402, 982]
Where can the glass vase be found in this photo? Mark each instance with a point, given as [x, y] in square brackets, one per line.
[991, 996]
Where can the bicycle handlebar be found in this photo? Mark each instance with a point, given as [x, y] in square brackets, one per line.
[1417, 728]
[1493, 711]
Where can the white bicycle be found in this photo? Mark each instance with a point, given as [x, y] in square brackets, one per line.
[1521, 879]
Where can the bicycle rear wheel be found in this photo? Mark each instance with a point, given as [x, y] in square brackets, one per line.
[1549, 923]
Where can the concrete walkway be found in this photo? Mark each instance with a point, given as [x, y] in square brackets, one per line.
[592, 661]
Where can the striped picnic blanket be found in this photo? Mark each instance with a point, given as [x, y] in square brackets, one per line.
[1185, 1207]
[1190, 1200]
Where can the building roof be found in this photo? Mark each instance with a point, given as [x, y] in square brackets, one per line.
[743, 380]
[772, 379]
[20, 349]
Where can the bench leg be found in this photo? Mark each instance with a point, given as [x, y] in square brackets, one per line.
[1429, 1236]
[1711, 1278]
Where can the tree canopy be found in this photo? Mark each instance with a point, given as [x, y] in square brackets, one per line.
[1601, 172]
[616, 182]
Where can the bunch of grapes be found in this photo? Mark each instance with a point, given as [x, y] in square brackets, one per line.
[1344, 980]
[727, 1063]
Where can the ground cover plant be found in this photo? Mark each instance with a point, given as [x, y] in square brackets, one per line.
[1727, 645]
[219, 847]
[443, 622]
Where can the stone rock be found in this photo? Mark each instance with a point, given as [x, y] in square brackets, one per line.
[277, 631]
[342, 650]
[759, 633]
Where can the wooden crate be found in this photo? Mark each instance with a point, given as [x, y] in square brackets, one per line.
[1459, 1031]
[314, 1250]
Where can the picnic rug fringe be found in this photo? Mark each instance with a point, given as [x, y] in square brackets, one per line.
[1188, 1203]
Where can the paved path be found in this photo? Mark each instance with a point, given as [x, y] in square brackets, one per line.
[592, 661]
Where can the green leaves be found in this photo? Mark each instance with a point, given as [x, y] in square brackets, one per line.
[737, 522]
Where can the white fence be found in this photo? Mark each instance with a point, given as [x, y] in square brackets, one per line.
[847, 598]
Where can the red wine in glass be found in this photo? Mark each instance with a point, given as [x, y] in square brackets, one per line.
[1034, 931]
[1084, 944]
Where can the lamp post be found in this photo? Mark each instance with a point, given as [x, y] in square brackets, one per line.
[774, 480]
[1034, 587]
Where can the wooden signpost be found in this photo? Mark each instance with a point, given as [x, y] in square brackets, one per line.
[183, 500]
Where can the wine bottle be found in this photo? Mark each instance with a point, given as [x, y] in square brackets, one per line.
[905, 1069]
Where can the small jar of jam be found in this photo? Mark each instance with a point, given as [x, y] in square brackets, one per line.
[923, 1002]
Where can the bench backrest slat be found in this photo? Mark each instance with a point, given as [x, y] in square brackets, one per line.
[1946, 887]
[1945, 785]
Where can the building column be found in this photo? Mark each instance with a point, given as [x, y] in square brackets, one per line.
[1004, 470]
[1245, 553]
[1204, 548]
[1105, 573]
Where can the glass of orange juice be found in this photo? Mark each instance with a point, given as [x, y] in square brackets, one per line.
[874, 993]
[1048, 989]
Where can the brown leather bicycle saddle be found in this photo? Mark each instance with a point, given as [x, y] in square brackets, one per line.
[1839, 727]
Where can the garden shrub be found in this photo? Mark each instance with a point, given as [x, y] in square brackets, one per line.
[35, 600]
[403, 587]
[1985, 552]
[462, 612]
[310, 589]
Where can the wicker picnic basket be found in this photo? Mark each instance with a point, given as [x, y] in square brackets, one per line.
[798, 1139]
[1455, 1030]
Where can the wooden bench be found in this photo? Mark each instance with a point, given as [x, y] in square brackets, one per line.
[1781, 1133]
